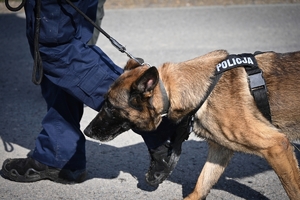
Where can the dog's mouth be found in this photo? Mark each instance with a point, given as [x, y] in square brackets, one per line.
[100, 131]
[107, 125]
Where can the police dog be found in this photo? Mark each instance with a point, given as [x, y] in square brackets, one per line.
[228, 118]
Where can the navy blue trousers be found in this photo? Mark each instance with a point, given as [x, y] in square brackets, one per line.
[74, 74]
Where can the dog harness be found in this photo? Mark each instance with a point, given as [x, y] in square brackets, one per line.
[257, 83]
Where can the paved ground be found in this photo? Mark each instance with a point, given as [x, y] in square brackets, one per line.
[188, 3]
[116, 169]
[129, 4]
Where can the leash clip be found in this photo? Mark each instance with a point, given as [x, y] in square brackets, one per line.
[134, 58]
[122, 49]
[116, 44]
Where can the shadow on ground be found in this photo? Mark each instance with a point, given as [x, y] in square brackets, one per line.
[134, 160]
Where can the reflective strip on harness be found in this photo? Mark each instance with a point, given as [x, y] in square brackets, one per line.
[255, 76]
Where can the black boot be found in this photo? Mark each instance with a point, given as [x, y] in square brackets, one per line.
[30, 170]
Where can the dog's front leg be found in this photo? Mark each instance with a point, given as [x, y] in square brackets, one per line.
[217, 160]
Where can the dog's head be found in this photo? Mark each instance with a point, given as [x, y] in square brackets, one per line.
[128, 104]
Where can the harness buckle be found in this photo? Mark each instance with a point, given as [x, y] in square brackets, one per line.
[256, 81]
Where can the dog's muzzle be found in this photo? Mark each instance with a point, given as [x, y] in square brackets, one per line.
[106, 125]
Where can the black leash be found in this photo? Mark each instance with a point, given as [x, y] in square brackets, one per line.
[114, 42]
[37, 73]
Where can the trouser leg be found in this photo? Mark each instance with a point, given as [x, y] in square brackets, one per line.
[61, 143]
[74, 72]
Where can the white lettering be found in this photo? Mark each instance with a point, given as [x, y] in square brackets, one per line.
[230, 64]
[224, 65]
[218, 66]
[233, 62]
[245, 60]
[250, 61]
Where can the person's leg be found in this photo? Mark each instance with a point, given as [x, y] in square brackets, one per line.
[68, 81]
[68, 62]
[61, 143]
[59, 154]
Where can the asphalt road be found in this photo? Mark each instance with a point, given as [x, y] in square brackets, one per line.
[116, 169]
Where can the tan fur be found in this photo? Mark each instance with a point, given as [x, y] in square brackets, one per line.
[229, 118]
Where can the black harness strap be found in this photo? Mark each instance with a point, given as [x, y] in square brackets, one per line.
[191, 115]
[255, 76]
[257, 84]
[259, 90]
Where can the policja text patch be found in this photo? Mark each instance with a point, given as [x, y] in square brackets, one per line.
[232, 61]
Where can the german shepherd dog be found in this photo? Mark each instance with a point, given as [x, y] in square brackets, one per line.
[228, 119]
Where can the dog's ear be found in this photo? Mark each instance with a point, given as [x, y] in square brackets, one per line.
[142, 88]
[147, 81]
[132, 63]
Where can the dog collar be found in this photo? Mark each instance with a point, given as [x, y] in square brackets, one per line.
[166, 102]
